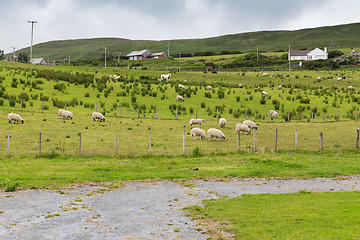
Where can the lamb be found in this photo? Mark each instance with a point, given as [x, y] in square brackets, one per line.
[339, 79]
[60, 113]
[222, 122]
[15, 117]
[264, 93]
[240, 85]
[242, 128]
[67, 114]
[279, 87]
[97, 115]
[181, 86]
[197, 132]
[264, 74]
[318, 78]
[250, 124]
[208, 87]
[196, 121]
[218, 134]
[179, 98]
[165, 76]
[275, 114]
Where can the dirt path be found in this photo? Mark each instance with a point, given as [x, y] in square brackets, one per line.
[136, 211]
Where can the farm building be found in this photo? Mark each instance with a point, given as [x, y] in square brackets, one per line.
[138, 55]
[38, 61]
[314, 54]
[158, 55]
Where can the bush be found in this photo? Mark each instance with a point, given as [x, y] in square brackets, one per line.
[23, 96]
[12, 102]
[262, 101]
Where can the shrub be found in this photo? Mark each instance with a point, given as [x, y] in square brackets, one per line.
[12, 102]
[23, 96]
[87, 94]
[262, 101]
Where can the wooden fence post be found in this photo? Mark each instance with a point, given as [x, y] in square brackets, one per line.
[246, 114]
[324, 117]
[184, 142]
[20, 104]
[321, 141]
[150, 142]
[312, 117]
[42, 106]
[288, 116]
[357, 137]
[177, 109]
[268, 117]
[238, 140]
[156, 113]
[115, 145]
[139, 111]
[355, 115]
[276, 138]
[196, 113]
[39, 143]
[339, 115]
[217, 114]
[296, 139]
[8, 138]
[301, 116]
[255, 139]
[79, 143]
[120, 110]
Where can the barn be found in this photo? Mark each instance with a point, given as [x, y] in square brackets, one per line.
[158, 55]
[38, 61]
[138, 55]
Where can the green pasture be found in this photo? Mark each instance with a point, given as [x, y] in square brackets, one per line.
[300, 215]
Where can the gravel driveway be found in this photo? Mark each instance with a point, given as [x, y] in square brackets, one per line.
[136, 211]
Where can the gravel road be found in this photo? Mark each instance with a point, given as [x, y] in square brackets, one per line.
[138, 210]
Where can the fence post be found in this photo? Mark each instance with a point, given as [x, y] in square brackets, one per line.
[355, 115]
[339, 115]
[8, 137]
[115, 145]
[42, 106]
[20, 104]
[288, 116]
[357, 138]
[276, 138]
[312, 117]
[150, 142]
[95, 107]
[177, 109]
[120, 110]
[139, 111]
[196, 113]
[296, 139]
[39, 143]
[79, 143]
[321, 141]
[156, 113]
[217, 114]
[255, 139]
[246, 114]
[268, 117]
[184, 142]
[324, 117]
[238, 140]
[301, 116]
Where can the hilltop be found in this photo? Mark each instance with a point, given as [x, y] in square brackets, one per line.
[340, 36]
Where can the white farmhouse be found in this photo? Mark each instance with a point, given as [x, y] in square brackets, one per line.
[314, 54]
[38, 61]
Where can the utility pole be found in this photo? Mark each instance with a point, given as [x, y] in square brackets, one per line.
[168, 48]
[13, 52]
[32, 33]
[179, 57]
[105, 55]
[289, 56]
[69, 60]
[119, 57]
[257, 54]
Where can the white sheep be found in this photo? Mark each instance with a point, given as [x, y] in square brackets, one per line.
[97, 115]
[279, 87]
[240, 85]
[181, 86]
[350, 87]
[60, 113]
[250, 124]
[196, 121]
[165, 76]
[271, 112]
[197, 132]
[67, 114]
[213, 132]
[222, 122]
[15, 117]
[264, 93]
[264, 74]
[318, 78]
[242, 128]
[275, 114]
[208, 87]
[339, 79]
[179, 98]
[185, 80]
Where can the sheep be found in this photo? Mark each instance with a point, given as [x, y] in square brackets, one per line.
[185, 80]
[264, 74]
[222, 122]
[279, 87]
[318, 78]
[264, 93]
[60, 113]
[350, 87]
[208, 87]
[240, 85]
[339, 79]
[213, 132]
[67, 114]
[15, 117]
[250, 124]
[181, 86]
[196, 121]
[97, 115]
[242, 128]
[179, 98]
[274, 114]
[197, 132]
[165, 76]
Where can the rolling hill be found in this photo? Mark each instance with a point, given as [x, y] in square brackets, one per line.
[340, 36]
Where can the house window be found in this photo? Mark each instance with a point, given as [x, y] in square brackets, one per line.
[140, 58]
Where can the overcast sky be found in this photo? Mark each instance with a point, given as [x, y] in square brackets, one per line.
[162, 19]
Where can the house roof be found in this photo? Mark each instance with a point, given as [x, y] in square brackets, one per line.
[158, 54]
[37, 60]
[299, 53]
[138, 53]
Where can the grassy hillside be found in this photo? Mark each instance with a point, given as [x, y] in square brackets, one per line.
[341, 36]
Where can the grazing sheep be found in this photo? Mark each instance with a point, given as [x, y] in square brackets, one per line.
[264, 93]
[15, 117]
[240, 85]
[197, 132]
[208, 88]
[274, 114]
[196, 121]
[250, 124]
[67, 114]
[242, 128]
[181, 86]
[185, 80]
[213, 132]
[165, 76]
[318, 78]
[279, 87]
[60, 113]
[97, 115]
[179, 98]
[222, 122]
[350, 87]
[339, 79]
[264, 74]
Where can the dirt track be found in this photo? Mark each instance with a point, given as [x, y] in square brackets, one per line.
[136, 211]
